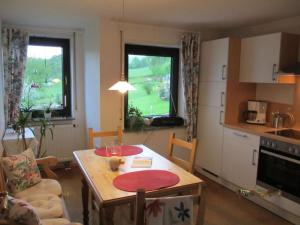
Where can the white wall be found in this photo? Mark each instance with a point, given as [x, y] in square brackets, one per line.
[110, 73]
[92, 74]
[2, 120]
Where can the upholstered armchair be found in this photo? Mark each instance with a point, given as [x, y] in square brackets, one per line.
[42, 201]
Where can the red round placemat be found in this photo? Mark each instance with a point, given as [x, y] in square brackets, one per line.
[146, 179]
[125, 150]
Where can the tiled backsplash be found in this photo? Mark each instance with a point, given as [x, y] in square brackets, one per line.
[282, 98]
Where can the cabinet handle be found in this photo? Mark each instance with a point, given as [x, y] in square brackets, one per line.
[240, 135]
[253, 157]
[222, 97]
[274, 72]
[223, 72]
[220, 119]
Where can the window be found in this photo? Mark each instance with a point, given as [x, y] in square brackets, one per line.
[153, 71]
[47, 77]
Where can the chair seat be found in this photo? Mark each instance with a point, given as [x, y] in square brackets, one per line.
[46, 206]
[46, 186]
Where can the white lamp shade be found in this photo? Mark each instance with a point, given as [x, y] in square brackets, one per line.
[122, 86]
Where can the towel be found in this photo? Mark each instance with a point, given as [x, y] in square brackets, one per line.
[169, 211]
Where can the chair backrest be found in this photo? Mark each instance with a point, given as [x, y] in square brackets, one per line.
[190, 146]
[2, 175]
[100, 134]
[198, 200]
[3, 191]
[2, 180]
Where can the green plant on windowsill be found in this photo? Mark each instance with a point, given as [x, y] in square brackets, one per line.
[26, 102]
[22, 122]
[44, 125]
[47, 112]
[135, 120]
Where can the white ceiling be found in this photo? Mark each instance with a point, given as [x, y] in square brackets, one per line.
[190, 14]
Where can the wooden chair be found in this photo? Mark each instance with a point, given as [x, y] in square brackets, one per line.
[100, 134]
[3, 196]
[199, 202]
[190, 146]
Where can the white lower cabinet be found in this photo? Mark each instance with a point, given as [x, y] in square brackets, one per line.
[240, 158]
[210, 138]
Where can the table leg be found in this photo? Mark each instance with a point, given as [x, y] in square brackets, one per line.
[201, 214]
[85, 201]
[101, 216]
[132, 210]
[109, 215]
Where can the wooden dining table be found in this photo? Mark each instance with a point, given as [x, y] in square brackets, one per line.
[97, 177]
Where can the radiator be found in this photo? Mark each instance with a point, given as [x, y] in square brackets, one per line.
[66, 139]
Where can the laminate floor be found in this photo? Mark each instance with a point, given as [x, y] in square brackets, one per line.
[223, 206]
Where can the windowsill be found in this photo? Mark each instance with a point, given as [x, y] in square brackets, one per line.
[154, 128]
[55, 120]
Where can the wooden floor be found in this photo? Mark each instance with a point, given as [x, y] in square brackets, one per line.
[223, 206]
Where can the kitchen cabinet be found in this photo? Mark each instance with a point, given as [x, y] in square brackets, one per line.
[210, 138]
[262, 57]
[240, 158]
[212, 94]
[214, 59]
[212, 97]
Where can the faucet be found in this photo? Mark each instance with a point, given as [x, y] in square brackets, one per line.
[280, 120]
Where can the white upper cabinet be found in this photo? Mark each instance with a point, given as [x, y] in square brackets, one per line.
[214, 59]
[263, 56]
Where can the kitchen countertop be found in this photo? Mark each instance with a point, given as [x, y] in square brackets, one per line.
[261, 130]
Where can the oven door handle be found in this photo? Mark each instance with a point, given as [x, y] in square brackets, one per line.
[280, 156]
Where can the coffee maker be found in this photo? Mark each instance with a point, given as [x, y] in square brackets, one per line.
[256, 113]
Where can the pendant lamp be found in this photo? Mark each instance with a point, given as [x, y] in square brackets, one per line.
[122, 86]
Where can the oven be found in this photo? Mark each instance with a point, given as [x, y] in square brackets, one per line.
[279, 167]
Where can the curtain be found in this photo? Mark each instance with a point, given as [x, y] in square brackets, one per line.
[14, 43]
[190, 64]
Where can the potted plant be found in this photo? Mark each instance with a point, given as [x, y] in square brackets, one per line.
[20, 126]
[44, 125]
[135, 119]
[47, 112]
[26, 104]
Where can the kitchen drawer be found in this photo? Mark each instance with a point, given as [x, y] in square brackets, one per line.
[242, 137]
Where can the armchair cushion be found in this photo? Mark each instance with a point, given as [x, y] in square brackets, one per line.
[59, 221]
[46, 205]
[46, 186]
[21, 171]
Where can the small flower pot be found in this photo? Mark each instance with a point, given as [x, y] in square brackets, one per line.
[47, 115]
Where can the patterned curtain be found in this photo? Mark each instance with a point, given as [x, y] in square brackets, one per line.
[14, 43]
[190, 57]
